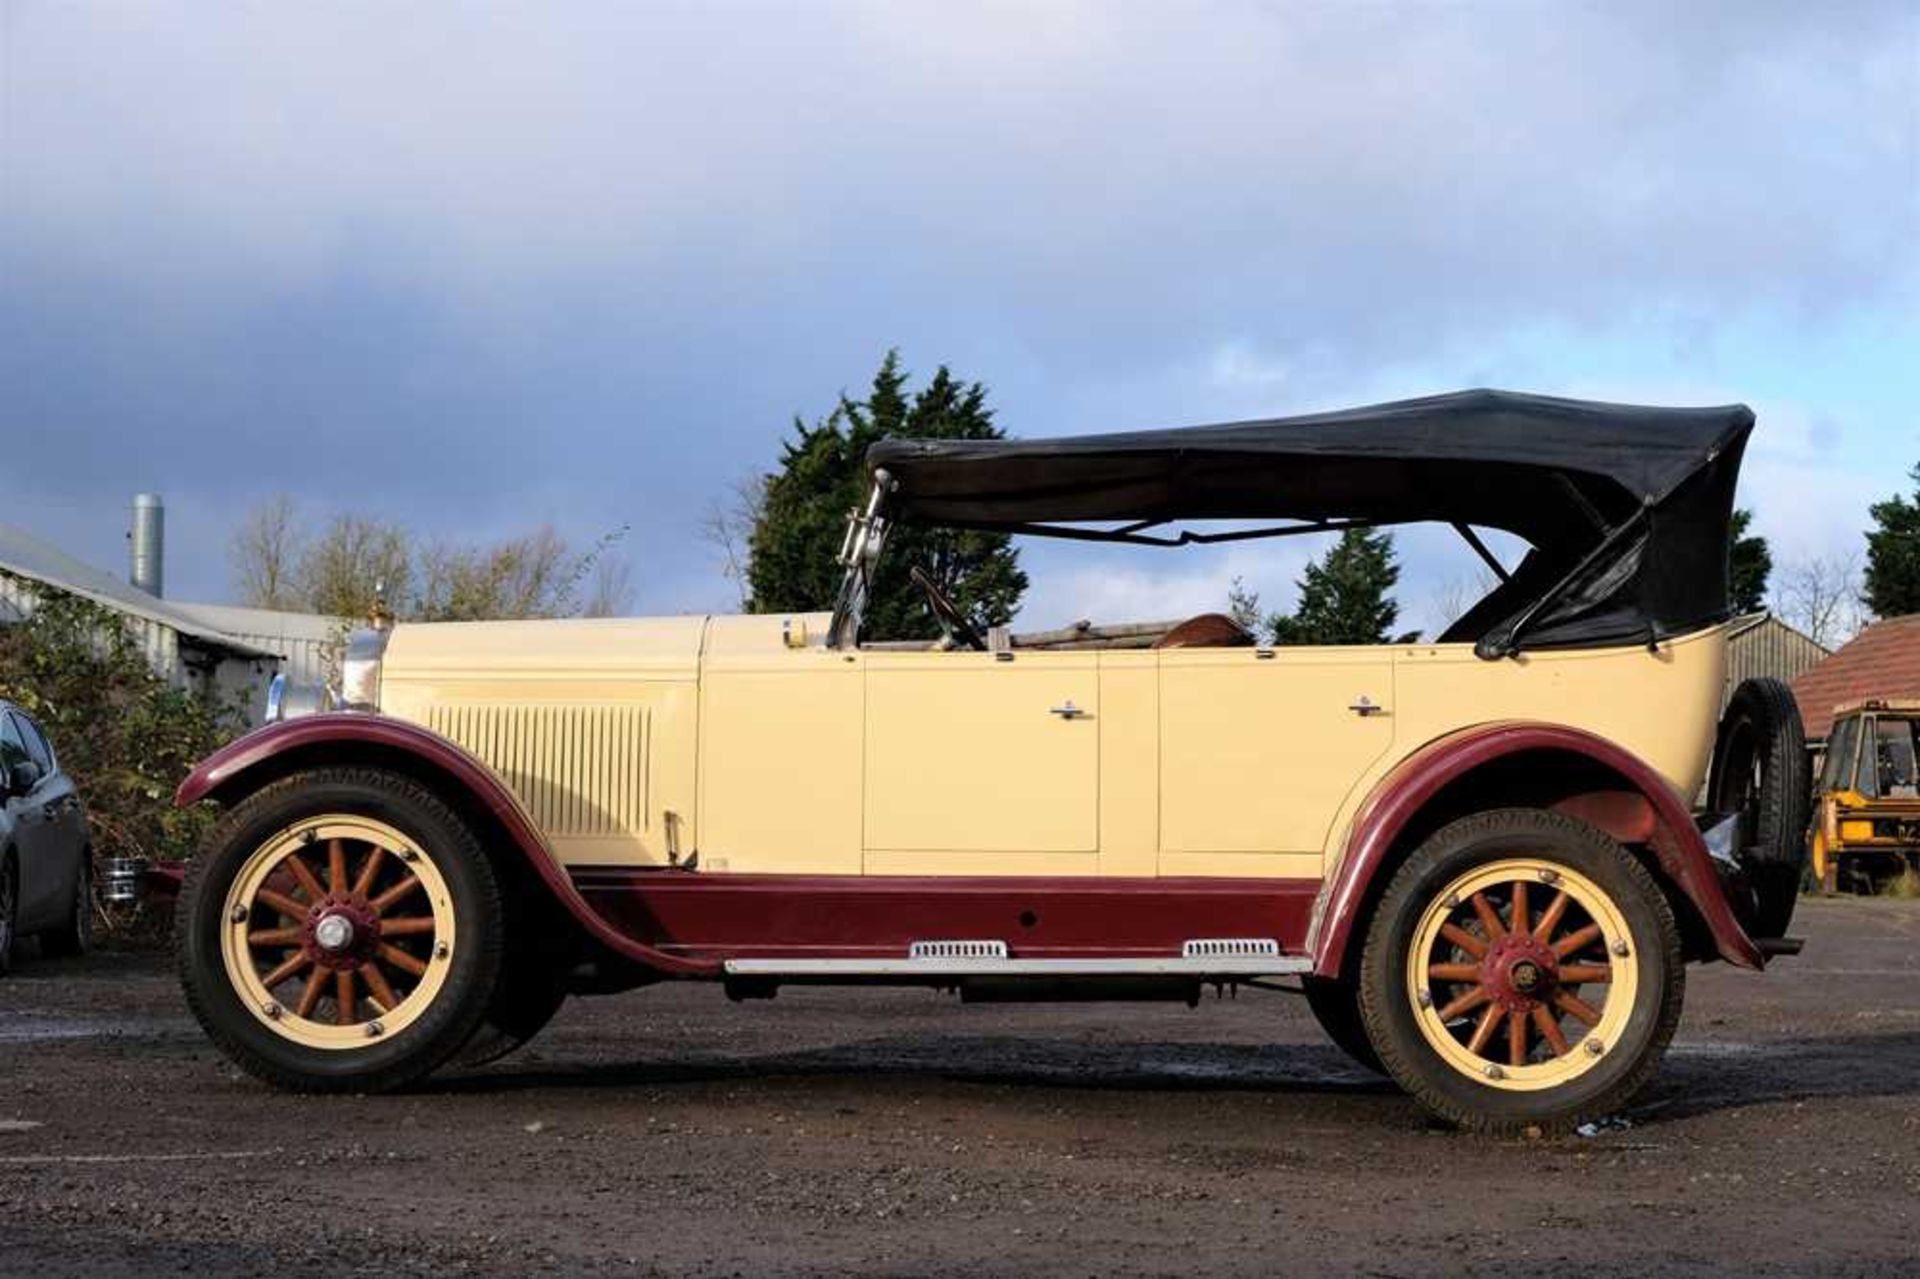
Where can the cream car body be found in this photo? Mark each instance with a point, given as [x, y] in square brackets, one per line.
[644, 743]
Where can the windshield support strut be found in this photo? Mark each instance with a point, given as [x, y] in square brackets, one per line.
[1480, 548]
[859, 556]
[1132, 534]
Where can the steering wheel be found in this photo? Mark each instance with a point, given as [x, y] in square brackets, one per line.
[954, 626]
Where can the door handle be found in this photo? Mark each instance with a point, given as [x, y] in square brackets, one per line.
[1066, 710]
[1364, 706]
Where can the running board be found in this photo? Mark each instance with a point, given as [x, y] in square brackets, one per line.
[1197, 966]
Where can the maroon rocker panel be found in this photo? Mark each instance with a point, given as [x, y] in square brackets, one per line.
[839, 916]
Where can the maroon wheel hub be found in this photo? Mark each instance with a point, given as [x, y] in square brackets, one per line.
[340, 931]
[1519, 972]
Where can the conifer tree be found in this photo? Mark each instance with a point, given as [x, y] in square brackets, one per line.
[1345, 597]
[1749, 564]
[802, 518]
[1893, 555]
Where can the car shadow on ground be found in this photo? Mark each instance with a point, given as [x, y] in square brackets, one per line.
[1698, 1078]
[991, 1059]
[1704, 1077]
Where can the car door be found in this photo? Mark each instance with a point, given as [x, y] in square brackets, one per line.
[60, 803]
[43, 878]
[1259, 748]
[982, 763]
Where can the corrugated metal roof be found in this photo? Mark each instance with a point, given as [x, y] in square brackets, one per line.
[1881, 661]
[25, 555]
[309, 644]
[232, 619]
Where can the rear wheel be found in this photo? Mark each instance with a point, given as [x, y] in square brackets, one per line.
[525, 999]
[1522, 970]
[1336, 1006]
[340, 931]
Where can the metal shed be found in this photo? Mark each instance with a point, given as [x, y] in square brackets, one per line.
[225, 654]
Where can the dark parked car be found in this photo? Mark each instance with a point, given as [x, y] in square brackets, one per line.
[46, 866]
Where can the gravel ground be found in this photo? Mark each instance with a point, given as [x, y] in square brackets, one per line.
[667, 1131]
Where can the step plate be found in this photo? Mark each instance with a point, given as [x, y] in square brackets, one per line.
[1230, 948]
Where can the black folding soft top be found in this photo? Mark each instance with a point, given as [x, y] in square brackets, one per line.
[1626, 507]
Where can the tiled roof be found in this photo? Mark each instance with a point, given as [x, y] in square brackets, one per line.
[1881, 661]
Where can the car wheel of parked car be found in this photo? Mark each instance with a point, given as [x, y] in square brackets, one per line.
[1336, 1006]
[1522, 969]
[75, 934]
[1761, 772]
[9, 910]
[340, 930]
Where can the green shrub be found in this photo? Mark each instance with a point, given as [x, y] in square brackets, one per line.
[123, 734]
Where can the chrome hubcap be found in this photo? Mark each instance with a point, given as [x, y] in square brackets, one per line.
[334, 933]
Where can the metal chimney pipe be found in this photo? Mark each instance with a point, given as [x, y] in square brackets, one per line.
[147, 543]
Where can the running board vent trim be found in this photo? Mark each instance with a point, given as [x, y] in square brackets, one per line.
[1229, 947]
[957, 950]
[1205, 968]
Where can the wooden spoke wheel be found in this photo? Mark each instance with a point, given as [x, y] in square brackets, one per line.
[339, 930]
[1521, 970]
[1520, 973]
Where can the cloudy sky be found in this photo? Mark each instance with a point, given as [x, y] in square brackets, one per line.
[482, 267]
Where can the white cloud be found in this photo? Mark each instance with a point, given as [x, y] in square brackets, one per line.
[458, 258]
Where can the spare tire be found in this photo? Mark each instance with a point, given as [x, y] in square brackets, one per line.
[1760, 773]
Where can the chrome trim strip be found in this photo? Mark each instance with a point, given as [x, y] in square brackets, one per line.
[1215, 966]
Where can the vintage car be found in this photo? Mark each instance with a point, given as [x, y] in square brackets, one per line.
[1866, 828]
[1475, 855]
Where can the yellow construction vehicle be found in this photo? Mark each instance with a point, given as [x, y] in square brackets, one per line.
[1866, 824]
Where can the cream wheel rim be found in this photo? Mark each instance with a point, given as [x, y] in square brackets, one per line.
[1522, 974]
[338, 932]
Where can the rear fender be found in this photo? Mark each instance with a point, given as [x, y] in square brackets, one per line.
[1635, 805]
[356, 738]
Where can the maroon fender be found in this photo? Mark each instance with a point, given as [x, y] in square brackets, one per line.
[227, 770]
[1650, 812]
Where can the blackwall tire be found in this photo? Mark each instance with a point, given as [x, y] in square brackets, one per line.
[9, 911]
[524, 1001]
[1761, 771]
[1595, 929]
[74, 936]
[1336, 1006]
[378, 1002]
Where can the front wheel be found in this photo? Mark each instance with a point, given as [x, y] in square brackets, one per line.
[340, 930]
[1522, 970]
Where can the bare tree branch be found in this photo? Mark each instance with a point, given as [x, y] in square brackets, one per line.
[612, 591]
[355, 561]
[1821, 597]
[728, 528]
[1456, 595]
[266, 554]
